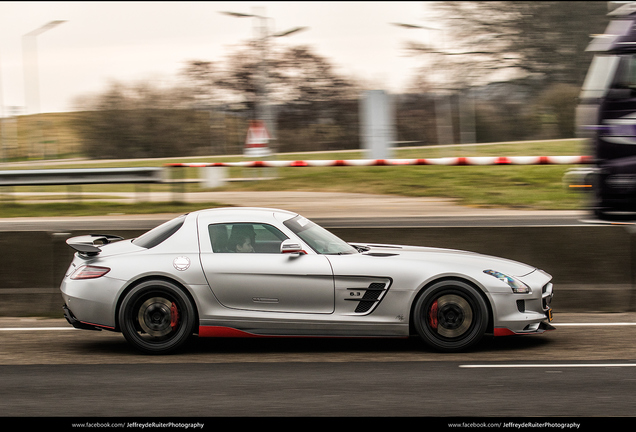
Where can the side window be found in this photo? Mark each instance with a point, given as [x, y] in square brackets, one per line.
[245, 238]
[625, 77]
[159, 234]
[632, 72]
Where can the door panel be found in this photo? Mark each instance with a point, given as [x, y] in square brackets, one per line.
[246, 270]
[271, 282]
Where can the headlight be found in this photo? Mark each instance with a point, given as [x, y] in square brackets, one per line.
[517, 286]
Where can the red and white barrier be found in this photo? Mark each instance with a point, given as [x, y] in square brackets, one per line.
[447, 161]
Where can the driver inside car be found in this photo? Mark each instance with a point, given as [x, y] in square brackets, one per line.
[242, 239]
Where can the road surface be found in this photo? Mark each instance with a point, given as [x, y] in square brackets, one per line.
[585, 368]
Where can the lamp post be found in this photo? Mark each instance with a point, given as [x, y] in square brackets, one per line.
[30, 64]
[29, 52]
[262, 34]
[443, 114]
[2, 124]
[467, 107]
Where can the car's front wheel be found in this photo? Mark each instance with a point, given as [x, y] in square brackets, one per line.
[451, 316]
[156, 317]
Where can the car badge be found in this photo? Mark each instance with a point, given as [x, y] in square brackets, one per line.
[181, 263]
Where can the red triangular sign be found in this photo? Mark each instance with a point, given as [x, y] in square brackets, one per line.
[257, 141]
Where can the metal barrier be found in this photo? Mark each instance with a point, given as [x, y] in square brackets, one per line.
[80, 176]
[155, 174]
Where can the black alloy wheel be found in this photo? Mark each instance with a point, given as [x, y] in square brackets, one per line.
[156, 317]
[451, 316]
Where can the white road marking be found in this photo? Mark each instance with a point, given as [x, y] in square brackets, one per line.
[565, 365]
[594, 324]
[35, 328]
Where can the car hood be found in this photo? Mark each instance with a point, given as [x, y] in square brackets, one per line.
[448, 256]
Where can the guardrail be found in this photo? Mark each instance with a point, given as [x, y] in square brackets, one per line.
[156, 175]
[80, 176]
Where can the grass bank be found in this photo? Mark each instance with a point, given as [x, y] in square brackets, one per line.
[531, 187]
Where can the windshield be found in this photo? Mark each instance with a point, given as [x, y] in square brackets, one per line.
[318, 238]
[599, 76]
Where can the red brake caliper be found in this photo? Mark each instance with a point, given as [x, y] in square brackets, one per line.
[174, 316]
[432, 315]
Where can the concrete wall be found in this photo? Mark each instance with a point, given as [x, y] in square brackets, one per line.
[593, 266]
[32, 266]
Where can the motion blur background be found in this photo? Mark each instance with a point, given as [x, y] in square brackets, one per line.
[159, 79]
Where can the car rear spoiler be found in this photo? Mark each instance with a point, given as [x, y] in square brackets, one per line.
[89, 244]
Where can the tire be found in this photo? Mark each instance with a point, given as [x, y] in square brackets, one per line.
[156, 317]
[451, 316]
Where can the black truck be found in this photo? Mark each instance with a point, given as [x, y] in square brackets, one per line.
[606, 115]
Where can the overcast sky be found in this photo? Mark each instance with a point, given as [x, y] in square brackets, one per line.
[132, 41]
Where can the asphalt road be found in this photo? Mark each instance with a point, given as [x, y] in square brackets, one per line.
[585, 368]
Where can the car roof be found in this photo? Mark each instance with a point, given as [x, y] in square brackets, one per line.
[240, 213]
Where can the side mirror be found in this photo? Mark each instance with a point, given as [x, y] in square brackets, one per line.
[291, 247]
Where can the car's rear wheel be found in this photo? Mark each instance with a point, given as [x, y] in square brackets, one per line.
[451, 316]
[156, 317]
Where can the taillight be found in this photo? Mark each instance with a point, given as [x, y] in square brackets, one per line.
[89, 272]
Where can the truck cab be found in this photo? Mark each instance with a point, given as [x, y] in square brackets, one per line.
[606, 114]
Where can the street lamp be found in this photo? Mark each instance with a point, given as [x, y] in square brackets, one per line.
[443, 114]
[2, 123]
[467, 108]
[30, 64]
[413, 26]
[263, 35]
[29, 52]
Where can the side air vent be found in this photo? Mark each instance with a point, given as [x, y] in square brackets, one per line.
[373, 294]
[546, 296]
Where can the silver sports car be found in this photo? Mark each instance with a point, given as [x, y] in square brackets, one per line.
[236, 272]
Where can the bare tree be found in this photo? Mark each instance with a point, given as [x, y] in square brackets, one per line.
[141, 120]
[498, 40]
[309, 98]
